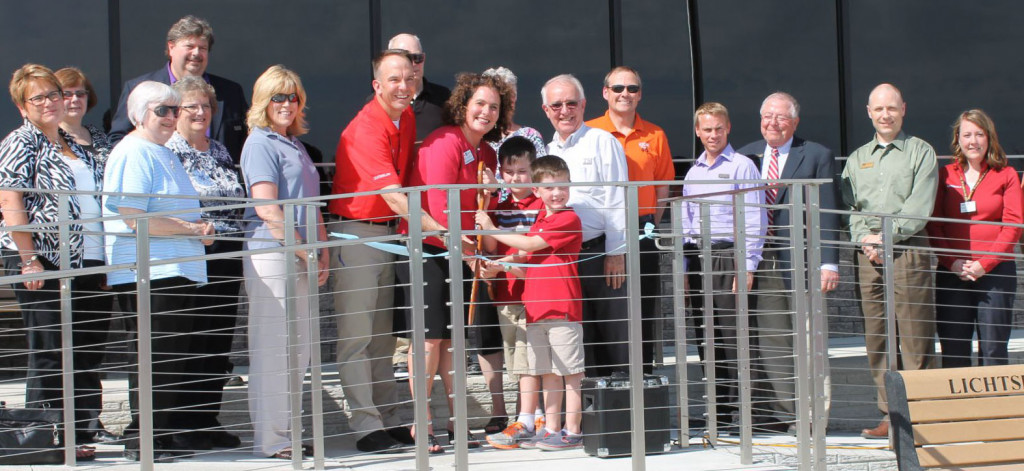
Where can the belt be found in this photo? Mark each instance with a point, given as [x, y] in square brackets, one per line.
[592, 243]
[389, 222]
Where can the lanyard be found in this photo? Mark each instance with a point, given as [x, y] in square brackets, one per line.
[968, 195]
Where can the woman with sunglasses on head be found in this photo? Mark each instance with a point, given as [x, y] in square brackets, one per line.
[275, 166]
[213, 174]
[515, 129]
[42, 159]
[141, 165]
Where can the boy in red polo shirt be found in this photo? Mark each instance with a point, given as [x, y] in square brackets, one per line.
[552, 296]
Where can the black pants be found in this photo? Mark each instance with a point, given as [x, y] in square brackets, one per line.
[984, 306]
[605, 314]
[171, 301]
[650, 301]
[213, 328]
[90, 314]
[724, 330]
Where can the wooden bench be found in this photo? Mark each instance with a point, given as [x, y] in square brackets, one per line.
[958, 418]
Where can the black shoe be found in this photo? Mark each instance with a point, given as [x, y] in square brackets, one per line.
[378, 441]
[222, 439]
[402, 434]
[189, 442]
[473, 369]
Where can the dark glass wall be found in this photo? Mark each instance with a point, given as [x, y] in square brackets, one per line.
[946, 55]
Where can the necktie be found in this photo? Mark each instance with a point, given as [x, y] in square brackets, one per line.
[773, 192]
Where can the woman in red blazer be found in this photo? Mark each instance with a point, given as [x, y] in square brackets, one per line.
[975, 288]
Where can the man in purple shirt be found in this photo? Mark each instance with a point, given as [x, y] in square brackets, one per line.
[722, 166]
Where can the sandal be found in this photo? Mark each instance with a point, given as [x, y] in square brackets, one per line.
[286, 453]
[85, 453]
[470, 442]
[433, 446]
[496, 424]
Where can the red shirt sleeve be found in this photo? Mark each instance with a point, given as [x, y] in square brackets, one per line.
[1012, 198]
[937, 230]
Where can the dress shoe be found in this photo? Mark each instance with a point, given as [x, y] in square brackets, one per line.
[222, 439]
[402, 434]
[881, 432]
[378, 441]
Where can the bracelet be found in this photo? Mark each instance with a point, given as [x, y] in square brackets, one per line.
[29, 262]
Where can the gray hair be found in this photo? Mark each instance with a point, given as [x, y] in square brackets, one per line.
[147, 93]
[564, 78]
[504, 74]
[191, 83]
[391, 42]
[794, 106]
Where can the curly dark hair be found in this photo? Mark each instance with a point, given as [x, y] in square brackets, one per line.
[465, 85]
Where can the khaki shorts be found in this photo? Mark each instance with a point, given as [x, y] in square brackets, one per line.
[555, 346]
[512, 321]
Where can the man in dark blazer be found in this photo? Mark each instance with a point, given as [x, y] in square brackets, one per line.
[188, 47]
[781, 155]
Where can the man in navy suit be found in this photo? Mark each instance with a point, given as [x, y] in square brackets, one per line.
[781, 155]
[188, 48]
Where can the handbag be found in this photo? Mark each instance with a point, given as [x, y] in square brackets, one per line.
[30, 436]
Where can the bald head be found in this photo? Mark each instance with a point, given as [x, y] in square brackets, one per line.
[886, 110]
[411, 43]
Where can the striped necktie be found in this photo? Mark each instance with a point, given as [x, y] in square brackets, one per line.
[772, 192]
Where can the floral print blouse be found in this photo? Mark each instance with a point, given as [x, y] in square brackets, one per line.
[212, 174]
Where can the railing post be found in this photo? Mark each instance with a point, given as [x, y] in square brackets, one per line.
[800, 320]
[145, 345]
[818, 327]
[66, 338]
[291, 314]
[710, 378]
[679, 318]
[889, 278]
[417, 347]
[455, 290]
[739, 251]
[638, 440]
[316, 370]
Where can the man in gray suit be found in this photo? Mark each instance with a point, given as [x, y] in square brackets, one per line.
[781, 155]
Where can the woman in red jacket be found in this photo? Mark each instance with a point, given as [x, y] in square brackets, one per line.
[975, 290]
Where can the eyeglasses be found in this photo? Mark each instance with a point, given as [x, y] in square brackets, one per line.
[162, 110]
[77, 93]
[569, 105]
[417, 57]
[195, 108]
[283, 97]
[38, 100]
[619, 88]
[782, 119]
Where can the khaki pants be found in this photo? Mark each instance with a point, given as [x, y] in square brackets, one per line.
[915, 312]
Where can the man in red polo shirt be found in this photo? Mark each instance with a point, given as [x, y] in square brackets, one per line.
[373, 153]
[648, 158]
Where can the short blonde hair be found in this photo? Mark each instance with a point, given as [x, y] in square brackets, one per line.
[27, 74]
[277, 79]
[712, 108]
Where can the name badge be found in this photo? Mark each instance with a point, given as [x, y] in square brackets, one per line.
[723, 176]
[969, 207]
[867, 165]
[467, 157]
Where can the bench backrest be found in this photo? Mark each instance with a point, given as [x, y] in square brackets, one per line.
[957, 417]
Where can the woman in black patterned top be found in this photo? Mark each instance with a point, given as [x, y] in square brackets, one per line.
[213, 174]
[41, 156]
[79, 98]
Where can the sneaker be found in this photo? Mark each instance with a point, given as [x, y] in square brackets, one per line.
[532, 442]
[401, 370]
[560, 441]
[509, 438]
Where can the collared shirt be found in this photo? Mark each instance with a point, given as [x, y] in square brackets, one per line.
[647, 156]
[726, 169]
[515, 216]
[283, 161]
[900, 178]
[143, 167]
[552, 289]
[372, 153]
[28, 160]
[428, 106]
[596, 156]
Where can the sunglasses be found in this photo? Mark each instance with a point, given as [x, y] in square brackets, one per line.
[620, 88]
[77, 93]
[569, 105]
[417, 57]
[162, 111]
[283, 97]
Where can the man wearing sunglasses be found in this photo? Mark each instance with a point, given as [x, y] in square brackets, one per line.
[428, 98]
[648, 159]
[595, 156]
[188, 47]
